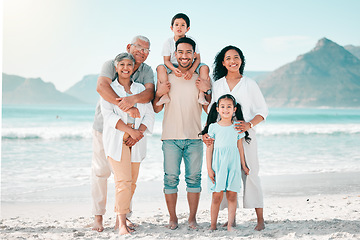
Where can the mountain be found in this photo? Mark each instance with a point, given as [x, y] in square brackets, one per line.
[19, 90]
[354, 50]
[327, 76]
[85, 90]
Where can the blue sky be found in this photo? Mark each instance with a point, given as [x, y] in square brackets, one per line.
[63, 40]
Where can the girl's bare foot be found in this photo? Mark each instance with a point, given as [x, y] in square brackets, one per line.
[98, 223]
[193, 224]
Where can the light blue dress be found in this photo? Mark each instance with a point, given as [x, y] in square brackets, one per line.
[226, 158]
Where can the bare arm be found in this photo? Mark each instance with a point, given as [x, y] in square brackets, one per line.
[143, 97]
[105, 90]
[242, 156]
[244, 126]
[162, 88]
[209, 154]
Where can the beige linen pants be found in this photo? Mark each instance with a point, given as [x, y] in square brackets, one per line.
[125, 176]
[100, 172]
[253, 196]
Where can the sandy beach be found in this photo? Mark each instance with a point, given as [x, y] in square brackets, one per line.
[313, 206]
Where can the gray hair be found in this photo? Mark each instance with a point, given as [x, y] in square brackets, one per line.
[143, 38]
[123, 56]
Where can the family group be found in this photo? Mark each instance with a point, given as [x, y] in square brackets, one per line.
[126, 113]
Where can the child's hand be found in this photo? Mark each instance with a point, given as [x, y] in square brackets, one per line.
[133, 112]
[188, 74]
[177, 72]
[211, 175]
[245, 169]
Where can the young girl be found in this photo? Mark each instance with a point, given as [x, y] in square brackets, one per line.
[225, 158]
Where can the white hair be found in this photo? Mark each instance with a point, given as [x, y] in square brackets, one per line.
[123, 56]
[143, 38]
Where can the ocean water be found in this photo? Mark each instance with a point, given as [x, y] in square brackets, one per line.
[46, 149]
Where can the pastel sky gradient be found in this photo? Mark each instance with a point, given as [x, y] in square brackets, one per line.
[63, 40]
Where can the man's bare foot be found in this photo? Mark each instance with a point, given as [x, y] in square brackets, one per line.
[173, 224]
[193, 224]
[260, 226]
[116, 223]
[213, 228]
[98, 223]
[226, 224]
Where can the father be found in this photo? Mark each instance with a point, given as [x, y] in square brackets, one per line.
[101, 169]
[181, 126]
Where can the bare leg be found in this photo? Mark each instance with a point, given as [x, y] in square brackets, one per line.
[193, 200]
[215, 206]
[232, 203]
[203, 74]
[171, 205]
[163, 78]
[123, 229]
[98, 223]
[260, 219]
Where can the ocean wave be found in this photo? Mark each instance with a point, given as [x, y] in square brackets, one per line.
[84, 132]
[46, 133]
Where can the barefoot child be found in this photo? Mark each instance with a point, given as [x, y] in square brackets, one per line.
[180, 25]
[225, 158]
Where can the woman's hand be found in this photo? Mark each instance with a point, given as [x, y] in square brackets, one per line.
[207, 140]
[130, 142]
[136, 134]
[242, 126]
[245, 169]
[211, 175]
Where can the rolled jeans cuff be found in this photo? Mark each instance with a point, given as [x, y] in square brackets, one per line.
[193, 190]
[170, 191]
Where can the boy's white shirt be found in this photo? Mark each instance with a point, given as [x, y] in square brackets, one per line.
[112, 137]
[169, 49]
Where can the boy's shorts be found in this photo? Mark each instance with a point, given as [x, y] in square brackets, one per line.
[168, 70]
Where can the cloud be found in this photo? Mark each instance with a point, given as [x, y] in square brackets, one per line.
[286, 43]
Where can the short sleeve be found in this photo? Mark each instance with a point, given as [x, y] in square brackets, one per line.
[211, 131]
[108, 70]
[240, 135]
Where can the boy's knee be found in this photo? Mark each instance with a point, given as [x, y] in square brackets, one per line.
[161, 69]
[205, 69]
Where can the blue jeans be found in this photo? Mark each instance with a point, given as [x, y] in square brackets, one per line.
[192, 152]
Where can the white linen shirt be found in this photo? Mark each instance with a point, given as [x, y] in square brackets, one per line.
[112, 137]
[246, 92]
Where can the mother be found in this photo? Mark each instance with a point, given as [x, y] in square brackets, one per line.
[123, 137]
[228, 76]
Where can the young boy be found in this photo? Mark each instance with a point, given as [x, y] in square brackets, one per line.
[180, 25]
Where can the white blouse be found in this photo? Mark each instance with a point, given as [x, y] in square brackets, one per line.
[112, 137]
[246, 92]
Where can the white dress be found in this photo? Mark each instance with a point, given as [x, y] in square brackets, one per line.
[247, 93]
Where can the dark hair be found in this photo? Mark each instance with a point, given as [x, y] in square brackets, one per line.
[213, 115]
[183, 16]
[185, 40]
[219, 69]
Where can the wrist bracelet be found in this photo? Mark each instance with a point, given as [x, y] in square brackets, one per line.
[251, 124]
